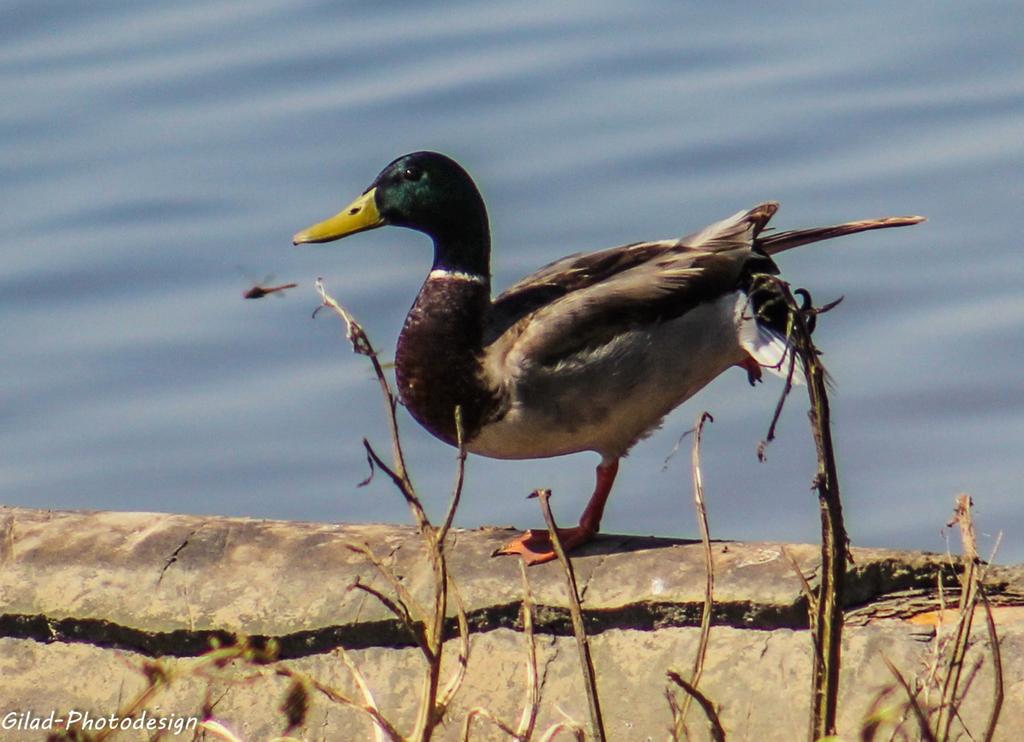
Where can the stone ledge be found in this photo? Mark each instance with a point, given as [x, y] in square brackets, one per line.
[96, 593]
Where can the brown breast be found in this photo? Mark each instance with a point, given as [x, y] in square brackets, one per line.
[437, 363]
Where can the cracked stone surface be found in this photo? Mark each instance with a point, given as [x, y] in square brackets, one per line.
[86, 598]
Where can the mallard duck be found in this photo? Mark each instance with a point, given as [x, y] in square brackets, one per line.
[587, 354]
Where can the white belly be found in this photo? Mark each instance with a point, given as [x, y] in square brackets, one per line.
[607, 398]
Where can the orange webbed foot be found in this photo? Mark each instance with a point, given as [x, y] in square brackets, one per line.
[535, 546]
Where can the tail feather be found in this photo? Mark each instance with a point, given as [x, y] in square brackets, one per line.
[776, 243]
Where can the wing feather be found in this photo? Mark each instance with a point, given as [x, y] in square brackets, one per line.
[582, 302]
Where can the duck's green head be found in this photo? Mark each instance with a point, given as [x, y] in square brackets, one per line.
[425, 191]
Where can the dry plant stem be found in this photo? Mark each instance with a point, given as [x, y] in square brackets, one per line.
[369, 706]
[878, 713]
[563, 726]
[922, 718]
[997, 670]
[431, 710]
[482, 713]
[965, 608]
[971, 593]
[160, 675]
[364, 688]
[402, 483]
[972, 675]
[528, 719]
[408, 610]
[709, 584]
[717, 731]
[361, 345]
[342, 700]
[932, 679]
[762, 447]
[578, 629]
[433, 702]
[805, 586]
[828, 626]
[705, 537]
[401, 612]
[455, 682]
[828, 616]
[159, 678]
[460, 476]
[218, 731]
[954, 683]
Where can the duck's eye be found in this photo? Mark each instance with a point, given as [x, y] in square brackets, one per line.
[412, 173]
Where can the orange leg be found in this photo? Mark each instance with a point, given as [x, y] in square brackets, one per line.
[535, 547]
[753, 369]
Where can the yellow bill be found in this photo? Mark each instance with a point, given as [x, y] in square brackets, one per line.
[358, 216]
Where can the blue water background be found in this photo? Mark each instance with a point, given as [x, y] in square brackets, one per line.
[155, 159]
